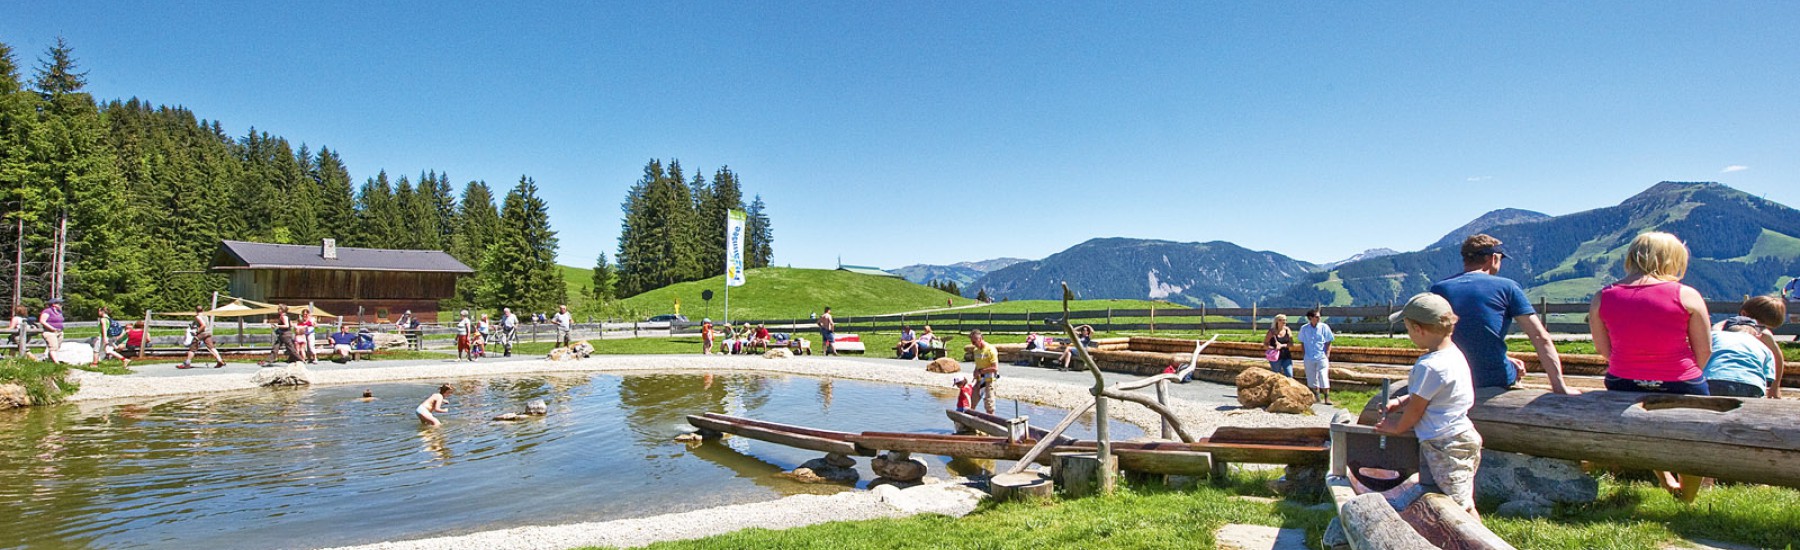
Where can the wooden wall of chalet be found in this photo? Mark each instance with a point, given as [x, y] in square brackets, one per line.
[380, 294]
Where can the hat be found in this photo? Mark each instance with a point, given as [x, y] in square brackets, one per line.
[54, 301]
[959, 381]
[1424, 308]
[1739, 321]
[1486, 250]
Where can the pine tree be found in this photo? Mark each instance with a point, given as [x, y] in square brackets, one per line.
[636, 255]
[519, 269]
[716, 202]
[759, 239]
[981, 295]
[602, 287]
[477, 222]
[337, 199]
[378, 211]
[20, 161]
[84, 187]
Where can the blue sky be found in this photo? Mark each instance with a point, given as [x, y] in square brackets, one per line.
[936, 132]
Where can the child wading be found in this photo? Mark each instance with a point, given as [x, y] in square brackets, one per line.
[434, 404]
[965, 394]
[1436, 408]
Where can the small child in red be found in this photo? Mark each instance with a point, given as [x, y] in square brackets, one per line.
[965, 394]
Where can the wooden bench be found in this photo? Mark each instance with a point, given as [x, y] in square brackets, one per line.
[935, 351]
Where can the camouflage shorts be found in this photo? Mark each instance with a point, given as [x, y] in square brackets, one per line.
[1452, 461]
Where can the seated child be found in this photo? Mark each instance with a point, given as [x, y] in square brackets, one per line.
[1436, 408]
[1740, 366]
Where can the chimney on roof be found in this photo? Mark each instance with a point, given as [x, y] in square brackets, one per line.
[328, 249]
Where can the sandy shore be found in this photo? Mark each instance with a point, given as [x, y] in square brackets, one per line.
[1201, 411]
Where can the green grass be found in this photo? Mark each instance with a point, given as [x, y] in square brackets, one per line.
[1629, 515]
[1772, 244]
[785, 293]
[45, 382]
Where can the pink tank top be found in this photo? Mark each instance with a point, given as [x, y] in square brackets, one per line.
[1649, 332]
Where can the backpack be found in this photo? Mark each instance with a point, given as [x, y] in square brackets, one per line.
[115, 329]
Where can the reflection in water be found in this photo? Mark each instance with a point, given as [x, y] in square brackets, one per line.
[972, 466]
[322, 467]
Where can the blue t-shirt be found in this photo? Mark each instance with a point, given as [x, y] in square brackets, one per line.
[1741, 358]
[343, 338]
[1485, 306]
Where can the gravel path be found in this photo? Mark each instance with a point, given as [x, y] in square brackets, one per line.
[1203, 406]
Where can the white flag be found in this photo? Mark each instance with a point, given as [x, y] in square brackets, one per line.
[734, 248]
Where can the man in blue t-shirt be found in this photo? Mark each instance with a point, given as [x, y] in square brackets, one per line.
[1486, 305]
[341, 341]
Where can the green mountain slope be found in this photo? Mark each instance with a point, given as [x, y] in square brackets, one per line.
[1217, 274]
[1741, 245]
[784, 293]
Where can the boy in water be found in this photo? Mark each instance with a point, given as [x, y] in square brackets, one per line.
[965, 394]
[1436, 409]
[434, 404]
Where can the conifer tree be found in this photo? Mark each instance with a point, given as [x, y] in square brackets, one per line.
[759, 237]
[377, 209]
[604, 283]
[84, 187]
[636, 255]
[519, 269]
[337, 198]
[477, 221]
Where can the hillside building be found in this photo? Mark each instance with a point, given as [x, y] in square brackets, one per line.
[363, 284]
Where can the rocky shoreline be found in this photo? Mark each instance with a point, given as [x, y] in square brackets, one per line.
[793, 511]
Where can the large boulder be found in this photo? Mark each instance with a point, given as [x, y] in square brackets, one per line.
[899, 467]
[778, 353]
[943, 364]
[1517, 477]
[291, 374]
[389, 340]
[950, 499]
[1291, 397]
[1262, 388]
[818, 470]
[1252, 387]
[13, 396]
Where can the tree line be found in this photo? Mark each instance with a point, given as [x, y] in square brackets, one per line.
[148, 191]
[673, 231]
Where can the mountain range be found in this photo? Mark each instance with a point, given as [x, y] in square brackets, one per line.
[1740, 244]
[961, 273]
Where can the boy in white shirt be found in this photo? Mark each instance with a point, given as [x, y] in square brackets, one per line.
[1436, 409]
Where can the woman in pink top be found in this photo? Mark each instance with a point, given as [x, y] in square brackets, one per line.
[1654, 331]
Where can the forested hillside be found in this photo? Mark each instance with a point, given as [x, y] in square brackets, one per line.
[1218, 273]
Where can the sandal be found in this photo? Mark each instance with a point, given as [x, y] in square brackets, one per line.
[219, 365]
[184, 366]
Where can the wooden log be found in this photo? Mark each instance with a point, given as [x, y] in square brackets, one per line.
[781, 437]
[1084, 474]
[1748, 440]
[1021, 487]
[1164, 462]
[1371, 524]
[994, 425]
[1150, 403]
[1440, 520]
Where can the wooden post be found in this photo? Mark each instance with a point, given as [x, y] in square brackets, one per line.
[990, 324]
[1152, 318]
[1083, 474]
[1162, 396]
[1253, 317]
[1203, 319]
[1109, 326]
[146, 346]
[1024, 487]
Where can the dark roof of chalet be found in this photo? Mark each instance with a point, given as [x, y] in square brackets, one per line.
[247, 255]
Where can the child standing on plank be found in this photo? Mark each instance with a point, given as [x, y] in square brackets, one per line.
[1436, 408]
[434, 404]
[965, 394]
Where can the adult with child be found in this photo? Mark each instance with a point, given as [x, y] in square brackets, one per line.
[50, 320]
[1756, 319]
[1486, 306]
[1278, 346]
[827, 331]
[1315, 342]
[1436, 408]
[1654, 331]
[1741, 366]
[20, 328]
[199, 333]
[987, 370]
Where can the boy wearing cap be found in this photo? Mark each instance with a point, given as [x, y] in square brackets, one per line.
[1436, 409]
[965, 394]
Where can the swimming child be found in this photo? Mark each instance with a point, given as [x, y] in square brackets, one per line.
[434, 404]
[368, 395]
[965, 394]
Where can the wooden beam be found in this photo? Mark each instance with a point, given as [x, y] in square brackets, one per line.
[779, 437]
[1440, 520]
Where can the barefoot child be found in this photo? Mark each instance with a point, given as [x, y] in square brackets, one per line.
[434, 404]
[1436, 408]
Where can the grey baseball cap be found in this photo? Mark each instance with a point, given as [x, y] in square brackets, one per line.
[1424, 308]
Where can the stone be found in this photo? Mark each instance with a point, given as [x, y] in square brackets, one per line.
[1300, 481]
[1334, 537]
[515, 417]
[895, 483]
[1523, 509]
[1252, 387]
[690, 438]
[1512, 476]
[899, 467]
[778, 353]
[291, 374]
[537, 408]
[560, 354]
[1238, 536]
[388, 340]
[943, 364]
[840, 460]
[819, 471]
[582, 349]
[949, 499]
[13, 396]
[1289, 396]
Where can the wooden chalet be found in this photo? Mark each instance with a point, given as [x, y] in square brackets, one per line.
[366, 284]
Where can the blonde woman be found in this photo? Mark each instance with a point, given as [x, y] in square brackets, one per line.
[1654, 331]
[1276, 347]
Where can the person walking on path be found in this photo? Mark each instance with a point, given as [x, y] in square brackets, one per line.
[1315, 342]
[565, 324]
[828, 332]
[509, 327]
[200, 333]
[284, 338]
[465, 336]
[21, 331]
[987, 370]
[307, 325]
[51, 321]
[107, 343]
[1486, 307]
[1654, 331]
[1277, 347]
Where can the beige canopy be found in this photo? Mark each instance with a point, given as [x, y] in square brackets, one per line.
[237, 308]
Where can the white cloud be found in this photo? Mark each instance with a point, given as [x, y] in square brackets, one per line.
[1734, 168]
[1479, 178]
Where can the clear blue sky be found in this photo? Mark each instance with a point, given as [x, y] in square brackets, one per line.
[940, 132]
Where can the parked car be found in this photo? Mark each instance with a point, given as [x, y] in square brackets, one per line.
[668, 319]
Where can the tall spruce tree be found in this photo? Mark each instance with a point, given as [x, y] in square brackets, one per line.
[759, 236]
[636, 255]
[477, 222]
[519, 269]
[21, 160]
[379, 213]
[85, 189]
[604, 285]
[337, 198]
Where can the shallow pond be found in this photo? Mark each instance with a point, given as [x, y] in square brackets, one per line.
[319, 467]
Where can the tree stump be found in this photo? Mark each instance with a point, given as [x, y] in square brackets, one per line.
[1370, 522]
[899, 466]
[1023, 487]
[1079, 473]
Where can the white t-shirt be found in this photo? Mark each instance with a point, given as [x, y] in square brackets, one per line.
[563, 319]
[1443, 378]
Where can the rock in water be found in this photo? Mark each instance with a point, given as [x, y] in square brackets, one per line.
[690, 438]
[943, 364]
[1518, 477]
[819, 471]
[778, 353]
[899, 467]
[292, 374]
[537, 407]
[13, 396]
[840, 460]
[1252, 387]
